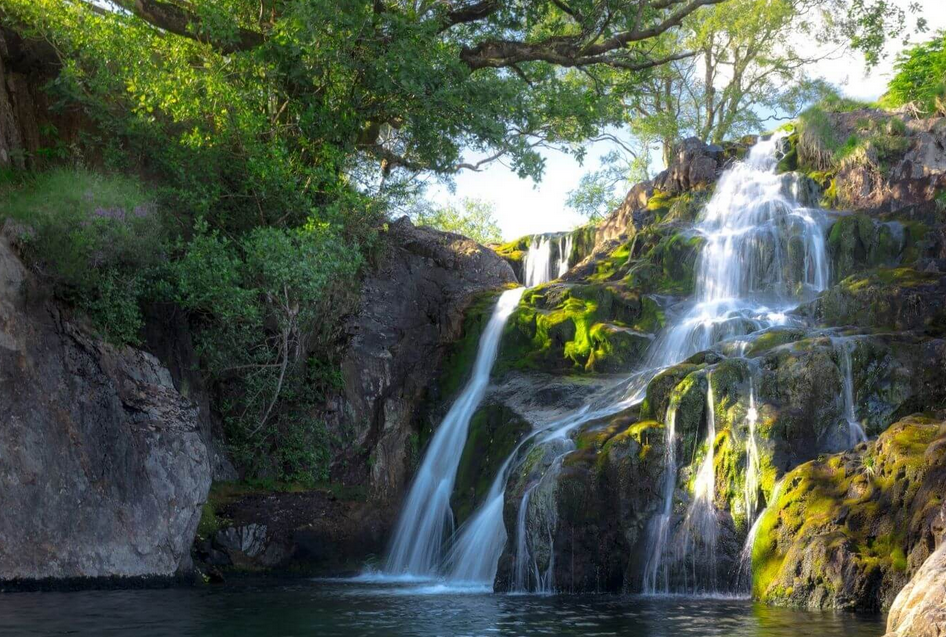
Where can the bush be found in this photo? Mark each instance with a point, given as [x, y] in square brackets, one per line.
[97, 238]
[270, 303]
[920, 78]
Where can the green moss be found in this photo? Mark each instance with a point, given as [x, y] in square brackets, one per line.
[578, 328]
[514, 251]
[460, 357]
[494, 432]
[862, 504]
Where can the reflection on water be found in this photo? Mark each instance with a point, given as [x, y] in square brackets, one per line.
[351, 609]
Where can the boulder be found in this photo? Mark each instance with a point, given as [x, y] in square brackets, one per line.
[102, 471]
[847, 531]
[920, 608]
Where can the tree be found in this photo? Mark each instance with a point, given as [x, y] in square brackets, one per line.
[473, 218]
[750, 68]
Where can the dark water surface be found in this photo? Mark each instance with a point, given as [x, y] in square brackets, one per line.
[351, 609]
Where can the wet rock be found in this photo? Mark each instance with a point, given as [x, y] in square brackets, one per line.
[588, 509]
[886, 299]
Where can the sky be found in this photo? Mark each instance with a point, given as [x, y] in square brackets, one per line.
[523, 207]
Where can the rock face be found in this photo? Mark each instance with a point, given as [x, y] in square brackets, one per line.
[694, 166]
[102, 470]
[314, 532]
[920, 608]
[412, 308]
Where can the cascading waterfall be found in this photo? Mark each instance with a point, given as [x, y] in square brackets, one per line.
[750, 273]
[523, 557]
[752, 481]
[426, 518]
[700, 525]
[659, 531]
[548, 258]
[565, 246]
[763, 254]
[856, 434]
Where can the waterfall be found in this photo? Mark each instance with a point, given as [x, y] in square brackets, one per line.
[752, 480]
[426, 518]
[763, 254]
[700, 526]
[565, 246]
[548, 258]
[745, 557]
[856, 432]
[523, 558]
[659, 531]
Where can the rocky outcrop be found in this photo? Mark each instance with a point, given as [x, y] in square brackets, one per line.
[849, 530]
[886, 162]
[412, 307]
[694, 166]
[103, 472]
[307, 532]
[920, 608]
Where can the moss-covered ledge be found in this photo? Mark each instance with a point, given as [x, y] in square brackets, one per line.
[848, 530]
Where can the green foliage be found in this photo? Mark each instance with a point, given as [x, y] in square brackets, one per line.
[920, 78]
[97, 238]
[268, 300]
[474, 218]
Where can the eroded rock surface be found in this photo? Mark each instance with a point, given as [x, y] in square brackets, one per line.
[102, 468]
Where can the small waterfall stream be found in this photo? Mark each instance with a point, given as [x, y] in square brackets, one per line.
[547, 259]
[659, 530]
[856, 434]
[426, 519]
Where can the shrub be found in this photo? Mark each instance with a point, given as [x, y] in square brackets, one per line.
[270, 305]
[920, 78]
[97, 238]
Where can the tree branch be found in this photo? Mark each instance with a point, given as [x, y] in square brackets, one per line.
[567, 51]
[174, 19]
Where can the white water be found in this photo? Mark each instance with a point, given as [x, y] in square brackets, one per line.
[752, 479]
[547, 258]
[749, 275]
[745, 557]
[856, 434]
[426, 519]
[700, 526]
[748, 279]
[659, 530]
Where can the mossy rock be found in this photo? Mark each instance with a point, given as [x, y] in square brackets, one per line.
[847, 530]
[857, 242]
[458, 362]
[616, 349]
[494, 432]
[886, 298]
[567, 328]
[660, 389]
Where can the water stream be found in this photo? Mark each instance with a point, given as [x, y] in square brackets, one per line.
[547, 259]
[426, 520]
